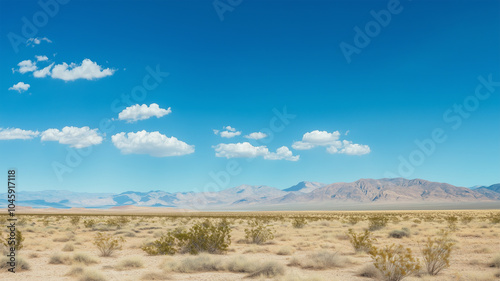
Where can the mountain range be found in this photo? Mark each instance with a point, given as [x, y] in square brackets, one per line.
[395, 190]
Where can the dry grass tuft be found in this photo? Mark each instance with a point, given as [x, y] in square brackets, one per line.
[85, 258]
[154, 276]
[91, 275]
[370, 271]
[68, 248]
[60, 259]
[319, 260]
[130, 263]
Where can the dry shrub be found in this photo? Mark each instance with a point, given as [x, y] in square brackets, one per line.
[394, 262]
[68, 248]
[370, 271]
[130, 262]
[377, 222]
[437, 253]
[285, 251]
[239, 264]
[21, 264]
[107, 243]
[75, 271]
[60, 259]
[405, 232]
[299, 222]
[201, 263]
[91, 275]
[495, 262]
[259, 232]
[268, 269]
[84, 258]
[362, 242]
[319, 260]
[154, 276]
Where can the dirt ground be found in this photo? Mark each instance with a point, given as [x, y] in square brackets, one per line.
[477, 245]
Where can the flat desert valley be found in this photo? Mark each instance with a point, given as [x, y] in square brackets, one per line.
[257, 245]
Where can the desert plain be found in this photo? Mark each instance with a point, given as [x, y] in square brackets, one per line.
[305, 245]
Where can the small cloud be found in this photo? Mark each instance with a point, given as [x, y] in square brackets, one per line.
[41, 58]
[153, 144]
[229, 132]
[86, 70]
[20, 87]
[74, 136]
[332, 143]
[17, 134]
[36, 41]
[247, 150]
[256, 136]
[26, 66]
[141, 112]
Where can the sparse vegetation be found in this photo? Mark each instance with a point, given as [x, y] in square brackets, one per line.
[319, 260]
[437, 253]
[377, 222]
[405, 232]
[394, 262]
[107, 243]
[202, 237]
[299, 222]
[259, 232]
[362, 242]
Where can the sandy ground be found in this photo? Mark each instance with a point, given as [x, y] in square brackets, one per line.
[477, 244]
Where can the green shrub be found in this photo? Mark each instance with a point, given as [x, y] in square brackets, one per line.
[107, 243]
[377, 222]
[201, 237]
[89, 223]
[18, 242]
[75, 220]
[166, 245]
[437, 253]
[299, 222]
[405, 232]
[259, 232]
[394, 262]
[494, 218]
[361, 242]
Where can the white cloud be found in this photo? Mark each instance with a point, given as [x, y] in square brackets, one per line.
[20, 87]
[41, 58]
[317, 138]
[141, 112]
[154, 144]
[229, 132]
[86, 70]
[246, 150]
[354, 148]
[74, 136]
[331, 141]
[26, 66]
[256, 136]
[36, 41]
[17, 134]
[43, 72]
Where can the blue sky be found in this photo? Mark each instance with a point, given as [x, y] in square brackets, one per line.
[235, 71]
